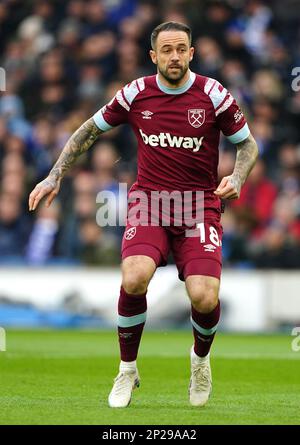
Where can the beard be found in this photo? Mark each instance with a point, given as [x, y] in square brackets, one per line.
[173, 77]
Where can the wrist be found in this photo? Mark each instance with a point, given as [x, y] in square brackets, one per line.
[55, 175]
[237, 180]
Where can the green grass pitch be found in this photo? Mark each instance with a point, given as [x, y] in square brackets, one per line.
[64, 377]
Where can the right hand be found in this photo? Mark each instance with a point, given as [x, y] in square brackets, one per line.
[49, 186]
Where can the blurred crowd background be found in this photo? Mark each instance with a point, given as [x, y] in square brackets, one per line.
[65, 59]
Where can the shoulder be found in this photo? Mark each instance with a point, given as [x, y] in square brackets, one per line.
[214, 89]
[210, 87]
[217, 93]
[133, 89]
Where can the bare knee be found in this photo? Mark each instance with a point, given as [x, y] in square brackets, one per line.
[137, 272]
[203, 292]
[135, 283]
[205, 301]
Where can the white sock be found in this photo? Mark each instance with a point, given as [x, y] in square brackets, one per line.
[196, 358]
[127, 366]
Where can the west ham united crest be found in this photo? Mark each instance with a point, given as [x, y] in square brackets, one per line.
[130, 233]
[196, 117]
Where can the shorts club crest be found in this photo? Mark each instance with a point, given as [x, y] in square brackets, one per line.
[130, 233]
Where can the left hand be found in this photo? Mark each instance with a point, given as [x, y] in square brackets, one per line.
[229, 188]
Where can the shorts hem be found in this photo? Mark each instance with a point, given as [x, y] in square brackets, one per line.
[207, 267]
[145, 250]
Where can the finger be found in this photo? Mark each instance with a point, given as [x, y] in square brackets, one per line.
[32, 197]
[38, 197]
[30, 201]
[50, 198]
[35, 203]
[228, 189]
[222, 184]
[231, 195]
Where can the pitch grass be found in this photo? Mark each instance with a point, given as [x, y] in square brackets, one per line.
[64, 377]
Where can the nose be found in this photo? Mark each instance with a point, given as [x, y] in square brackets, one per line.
[174, 55]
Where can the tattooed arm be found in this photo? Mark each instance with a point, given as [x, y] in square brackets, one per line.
[247, 153]
[79, 142]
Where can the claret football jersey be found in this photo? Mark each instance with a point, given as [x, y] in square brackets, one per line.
[177, 129]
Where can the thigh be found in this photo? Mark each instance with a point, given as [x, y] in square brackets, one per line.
[201, 254]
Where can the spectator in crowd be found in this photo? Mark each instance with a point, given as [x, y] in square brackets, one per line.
[257, 196]
[40, 247]
[14, 229]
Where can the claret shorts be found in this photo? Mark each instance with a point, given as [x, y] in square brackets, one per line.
[196, 255]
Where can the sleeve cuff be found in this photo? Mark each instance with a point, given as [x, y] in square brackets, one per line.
[240, 135]
[101, 122]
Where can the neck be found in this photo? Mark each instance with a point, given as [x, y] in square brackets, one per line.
[178, 84]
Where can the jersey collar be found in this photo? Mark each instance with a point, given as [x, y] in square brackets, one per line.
[178, 90]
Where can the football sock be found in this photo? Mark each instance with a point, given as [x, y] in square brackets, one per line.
[204, 329]
[132, 310]
[197, 359]
[127, 366]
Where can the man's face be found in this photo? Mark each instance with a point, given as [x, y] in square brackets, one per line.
[172, 55]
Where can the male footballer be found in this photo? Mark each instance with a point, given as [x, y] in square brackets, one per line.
[177, 116]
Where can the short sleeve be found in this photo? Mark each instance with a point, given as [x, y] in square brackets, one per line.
[229, 117]
[112, 114]
[117, 111]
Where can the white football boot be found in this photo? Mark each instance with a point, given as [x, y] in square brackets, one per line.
[124, 384]
[201, 381]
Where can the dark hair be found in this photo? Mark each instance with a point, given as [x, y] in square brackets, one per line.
[170, 26]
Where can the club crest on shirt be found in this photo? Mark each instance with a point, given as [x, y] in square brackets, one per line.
[196, 117]
[130, 233]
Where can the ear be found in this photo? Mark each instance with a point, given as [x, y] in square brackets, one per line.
[192, 50]
[153, 56]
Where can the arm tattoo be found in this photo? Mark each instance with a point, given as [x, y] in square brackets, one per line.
[79, 142]
[247, 153]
